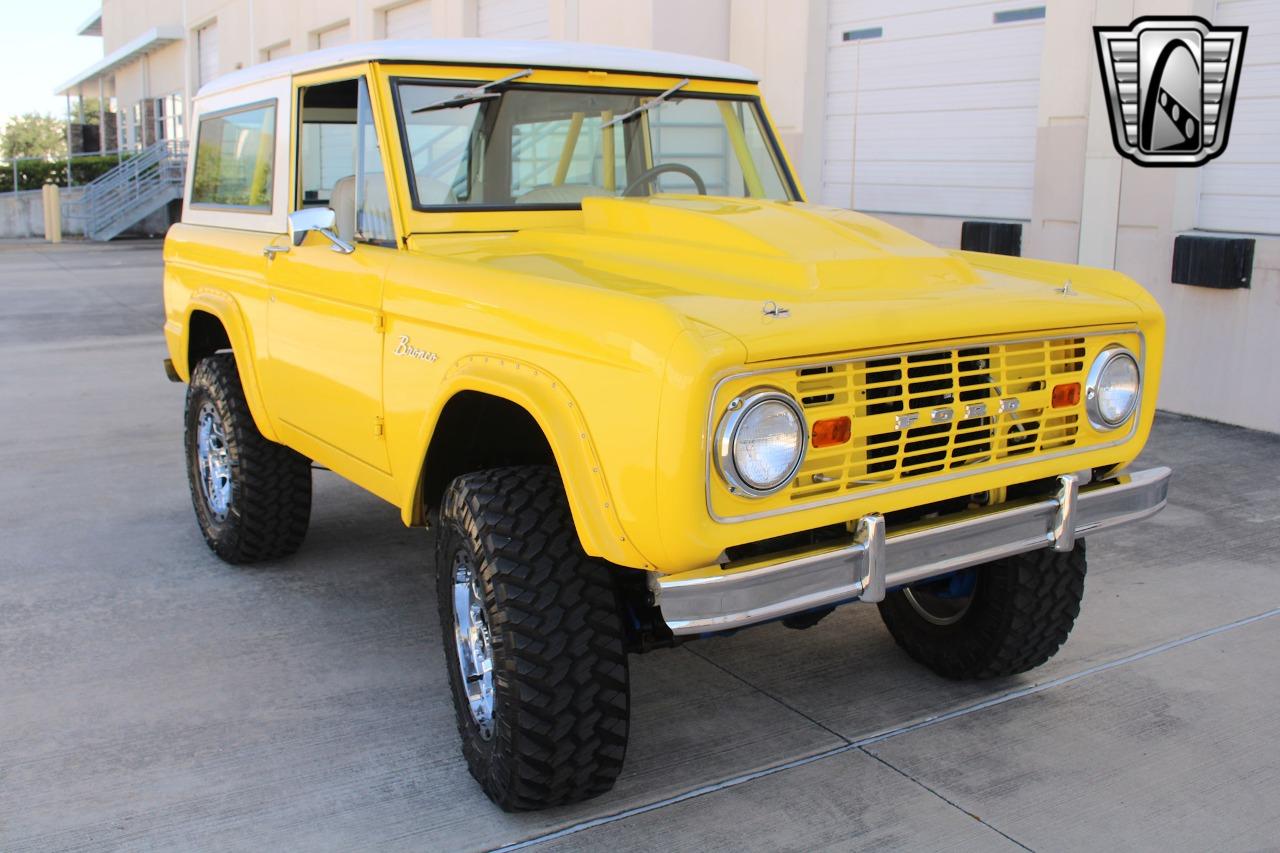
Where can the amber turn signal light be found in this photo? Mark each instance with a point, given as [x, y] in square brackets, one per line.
[1066, 395]
[832, 431]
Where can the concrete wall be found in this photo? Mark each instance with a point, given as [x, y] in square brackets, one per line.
[123, 20]
[22, 215]
[774, 40]
[1095, 208]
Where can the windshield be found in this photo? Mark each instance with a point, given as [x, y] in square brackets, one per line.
[520, 147]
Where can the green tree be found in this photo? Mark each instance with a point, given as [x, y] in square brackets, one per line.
[33, 135]
[90, 111]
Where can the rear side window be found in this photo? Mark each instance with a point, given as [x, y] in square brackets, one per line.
[235, 158]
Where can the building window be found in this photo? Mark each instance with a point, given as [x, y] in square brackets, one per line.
[177, 117]
[862, 34]
[169, 117]
[1013, 16]
[206, 53]
[235, 158]
[142, 121]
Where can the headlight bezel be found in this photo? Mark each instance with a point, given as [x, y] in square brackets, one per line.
[1093, 407]
[726, 435]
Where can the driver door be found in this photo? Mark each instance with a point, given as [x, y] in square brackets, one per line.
[324, 313]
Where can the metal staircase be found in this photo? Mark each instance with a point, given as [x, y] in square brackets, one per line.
[133, 190]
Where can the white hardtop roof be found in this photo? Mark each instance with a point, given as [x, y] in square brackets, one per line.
[502, 52]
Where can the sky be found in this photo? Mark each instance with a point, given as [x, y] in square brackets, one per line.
[39, 50]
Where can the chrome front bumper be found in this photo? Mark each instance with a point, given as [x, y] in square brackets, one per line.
[875, 562]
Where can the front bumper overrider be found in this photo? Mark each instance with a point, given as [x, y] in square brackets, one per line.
[876, 562]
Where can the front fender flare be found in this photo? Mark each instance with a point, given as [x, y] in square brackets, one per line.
[560, 418]
[224, 307]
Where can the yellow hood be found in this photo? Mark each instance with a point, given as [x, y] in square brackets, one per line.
[846, 281]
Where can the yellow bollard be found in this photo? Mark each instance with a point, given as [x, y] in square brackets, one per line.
[54, 208]
[44, 208]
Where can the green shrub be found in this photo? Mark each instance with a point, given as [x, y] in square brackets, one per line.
[33, 174]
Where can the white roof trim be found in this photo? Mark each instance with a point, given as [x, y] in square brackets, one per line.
[152, 40]
[92, 25]
[501, 52]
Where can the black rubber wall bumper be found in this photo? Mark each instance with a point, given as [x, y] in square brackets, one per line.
[1220, 262]
[998, 238]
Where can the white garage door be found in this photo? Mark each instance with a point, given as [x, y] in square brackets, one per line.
[1240, 191]
[341, 34]
[410, 21]
[513, 19]
[207, 53]
[276, 51]
[931, 106]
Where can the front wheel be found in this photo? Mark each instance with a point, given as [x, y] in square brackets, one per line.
[533, 641]
[252, 497]
[998, 619]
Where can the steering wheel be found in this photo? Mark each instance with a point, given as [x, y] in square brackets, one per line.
[662, 168]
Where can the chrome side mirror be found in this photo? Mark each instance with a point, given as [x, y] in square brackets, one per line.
[321, 219]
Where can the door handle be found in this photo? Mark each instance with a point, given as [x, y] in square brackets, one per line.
[270, 252]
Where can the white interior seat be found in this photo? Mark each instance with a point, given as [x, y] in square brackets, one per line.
[376, 216]
[564, 194]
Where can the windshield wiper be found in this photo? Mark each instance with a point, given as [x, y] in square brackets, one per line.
[479, 93]
[647, 105]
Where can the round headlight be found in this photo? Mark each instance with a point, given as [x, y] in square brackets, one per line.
[761, 442]
[1111, 393]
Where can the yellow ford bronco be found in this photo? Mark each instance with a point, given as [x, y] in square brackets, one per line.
[568, 306]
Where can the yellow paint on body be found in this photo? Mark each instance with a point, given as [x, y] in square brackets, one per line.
[622, 328]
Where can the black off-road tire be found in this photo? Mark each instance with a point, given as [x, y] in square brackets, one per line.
[560, 678]
[270, 503]
[1023, 608]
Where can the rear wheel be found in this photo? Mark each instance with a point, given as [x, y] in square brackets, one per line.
[252, 497]
[533, 641]
[998, 619]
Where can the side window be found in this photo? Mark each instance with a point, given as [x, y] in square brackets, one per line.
[340, 161]
[439, 144]
[235, 158]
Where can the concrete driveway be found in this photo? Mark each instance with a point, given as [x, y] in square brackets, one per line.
[153, 697]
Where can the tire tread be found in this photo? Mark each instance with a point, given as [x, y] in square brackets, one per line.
[271, 507]
[560, 655]
[1032, 602]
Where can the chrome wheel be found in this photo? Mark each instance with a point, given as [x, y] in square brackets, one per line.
[944, 601]
[214, 462]
[474, 643]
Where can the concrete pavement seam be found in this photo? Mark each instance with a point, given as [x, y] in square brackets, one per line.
[884, 735]
[769, 695]
[952, 803]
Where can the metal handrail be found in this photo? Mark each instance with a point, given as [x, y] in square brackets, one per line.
[134, 188]
[146, 158]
